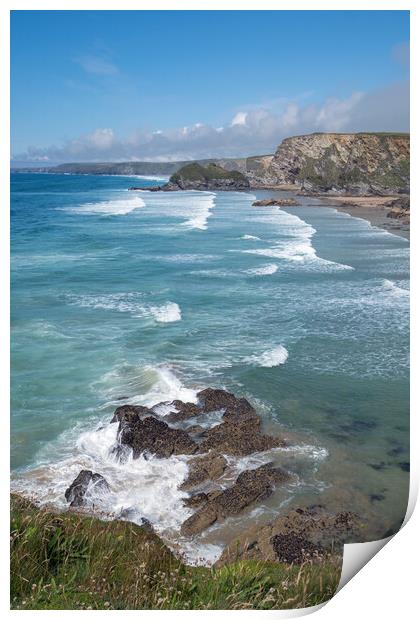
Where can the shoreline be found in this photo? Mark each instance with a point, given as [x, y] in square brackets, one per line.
[374, 209]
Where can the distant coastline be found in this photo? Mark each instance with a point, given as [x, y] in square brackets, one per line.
[363, 174]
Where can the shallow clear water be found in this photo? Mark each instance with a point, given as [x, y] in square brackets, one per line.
[151, 296]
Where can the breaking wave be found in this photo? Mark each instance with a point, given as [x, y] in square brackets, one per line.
[295, 244]
[131, 303]
[267, 270]
[168, 313]
[108, 207]
[270, 358]
[394, 289]
[192, 207]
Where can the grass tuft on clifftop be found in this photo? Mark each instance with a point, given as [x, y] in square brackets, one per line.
[70, 561]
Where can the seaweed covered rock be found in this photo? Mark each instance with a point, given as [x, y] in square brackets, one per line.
[180, 411]
[203, 468]
[238, 439]
[293, 537]
[250, 486]
[212, 399]
[154, 436]
[276, 202]
[129, 413]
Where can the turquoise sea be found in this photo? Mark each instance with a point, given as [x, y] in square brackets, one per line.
[143, 297]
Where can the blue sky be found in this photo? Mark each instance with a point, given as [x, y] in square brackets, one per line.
[120, 85]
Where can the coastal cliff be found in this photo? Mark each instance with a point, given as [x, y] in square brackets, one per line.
[353, 164]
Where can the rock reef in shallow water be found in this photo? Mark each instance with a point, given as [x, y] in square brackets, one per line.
[250, 486]
[229, 427]
[276, 202]
[293, 538]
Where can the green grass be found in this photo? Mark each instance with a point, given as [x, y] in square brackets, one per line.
[70, 561]
[196, 172]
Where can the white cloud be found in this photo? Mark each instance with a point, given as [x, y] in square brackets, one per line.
[251, 132]
[239, 119]
[97, 65]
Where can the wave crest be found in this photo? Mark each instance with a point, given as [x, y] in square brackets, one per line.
[270, 358]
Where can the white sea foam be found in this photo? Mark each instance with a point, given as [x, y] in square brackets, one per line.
[192, 207]
[146, 385]
[251, 237]
[295, 244]
[270, 358]
[108, 207]
[267, 270]
[394, 289]
[141, 487]
[201, 214]
[168, 313]
[149, 177]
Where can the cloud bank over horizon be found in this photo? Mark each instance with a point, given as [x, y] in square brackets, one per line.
[253, 130]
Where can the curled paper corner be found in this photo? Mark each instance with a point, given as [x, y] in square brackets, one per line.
[357, 555]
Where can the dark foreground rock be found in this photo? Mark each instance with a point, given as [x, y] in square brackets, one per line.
[250, 486]
[130, 413]
[182, 411]
[154, 436]
[208, 467]
[304, 532]
[239, 433]
[212, 399]
[85, 487]
[276, 202]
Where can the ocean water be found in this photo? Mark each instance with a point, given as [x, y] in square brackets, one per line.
[141, 297]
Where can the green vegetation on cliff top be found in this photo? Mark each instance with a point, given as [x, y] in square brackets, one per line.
[196, 172]
[70, 561]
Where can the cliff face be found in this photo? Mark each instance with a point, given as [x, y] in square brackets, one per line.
[356, 164]
[256, 169]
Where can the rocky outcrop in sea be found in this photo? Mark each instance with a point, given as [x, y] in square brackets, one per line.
[182, 428]
[208, 178]
[276, 202]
